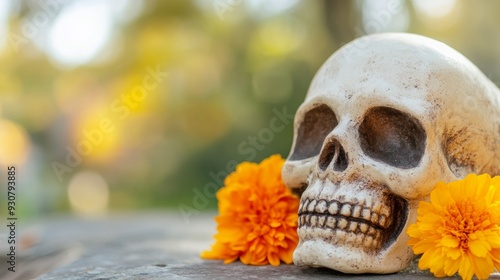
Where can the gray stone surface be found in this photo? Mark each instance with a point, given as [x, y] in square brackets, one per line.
[143, 246]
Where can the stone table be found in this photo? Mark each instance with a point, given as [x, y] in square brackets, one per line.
[151, 245]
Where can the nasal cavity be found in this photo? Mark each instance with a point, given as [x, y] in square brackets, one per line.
[334, 153]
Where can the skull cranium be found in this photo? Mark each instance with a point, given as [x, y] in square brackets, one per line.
[385, 118]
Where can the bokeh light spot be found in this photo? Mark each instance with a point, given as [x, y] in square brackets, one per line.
[384, 16]
[278, 38]
[434, 9]
[80, 32]
[438, 15]
[88, 193]
[14, 143]
[4, 15]
[267, 8]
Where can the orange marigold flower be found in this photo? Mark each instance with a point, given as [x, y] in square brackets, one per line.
[257, 220]
[459, 229]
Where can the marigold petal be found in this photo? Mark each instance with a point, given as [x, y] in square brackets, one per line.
[286, 255]
[494, 210]
[451, 266]
[437, 265]
[459, 229]
[273, 258]
[491, 196]
[466, 271]
[495, 257]
[220, 251]
[251, 236]
[482, 186]
[412, 241]
[493, 239]
[453, 253]
[429, 221]
[482, 267]
[292, 237]
[495, 183]
[257, 220]
[275, 224]
[427, 258]
[424, 207]
[269, 239]
[450, 241]
[423, 246]
[226, 261]
[479, 247]
[292, 219]
[441, 196]
[457, 190]
[414, 232]
[469, 180]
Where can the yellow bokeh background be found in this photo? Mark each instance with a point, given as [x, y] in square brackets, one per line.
[182, 87]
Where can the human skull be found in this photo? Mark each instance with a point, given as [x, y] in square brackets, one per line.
[385, 118]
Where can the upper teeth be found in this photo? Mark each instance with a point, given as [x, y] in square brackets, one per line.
[378, 215]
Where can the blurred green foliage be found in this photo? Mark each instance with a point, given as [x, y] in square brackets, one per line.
[230, 66]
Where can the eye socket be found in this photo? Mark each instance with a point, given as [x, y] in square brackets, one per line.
[313, 129]
[392, 137]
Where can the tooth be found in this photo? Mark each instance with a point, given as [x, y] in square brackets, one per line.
[377, 207]
[331, 222]
[365, 213]
[301, 220]
[353, 226]
[382, 220]
[346, 210]
[385, 210]
[321, 221]
[304, 205]
[334, 208]
[308, 220]
[310, 207]
[340, 234]
[314, 220]
[368, 202]
[374, 218]
[361, 202]
[388, 222]
[356, 211]
[342, 223]
[316, 231]
[368, 241]
[378, 235]
[351, 237]
[321, 207]
[372, 231]
[363, 227]
[359, 238]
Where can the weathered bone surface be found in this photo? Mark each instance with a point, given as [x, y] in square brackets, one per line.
[386, 117]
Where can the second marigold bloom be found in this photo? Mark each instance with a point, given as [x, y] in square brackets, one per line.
[257, 220]
[459, 229]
